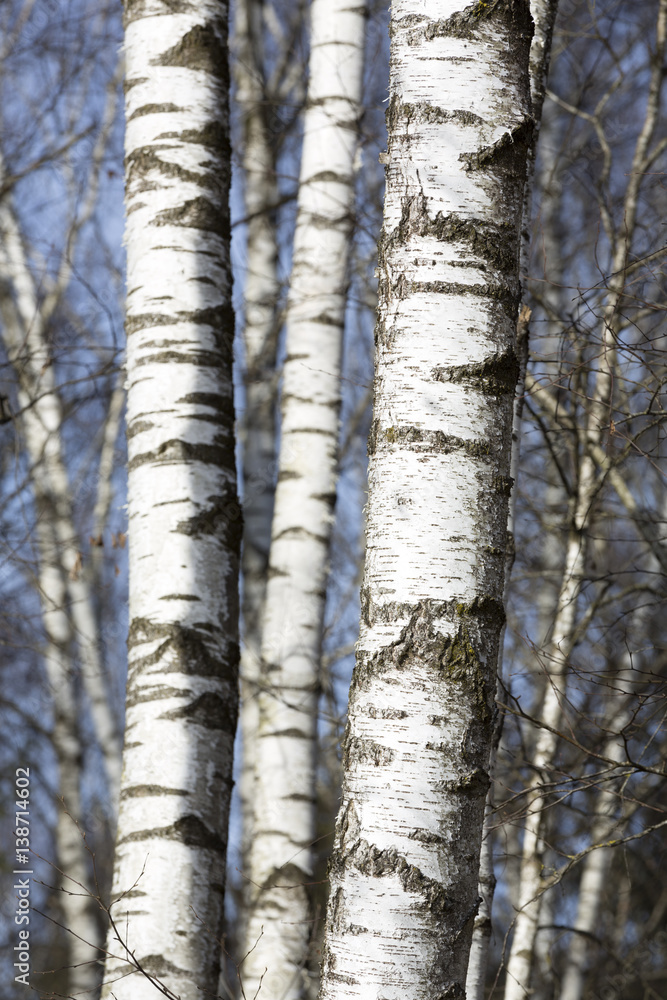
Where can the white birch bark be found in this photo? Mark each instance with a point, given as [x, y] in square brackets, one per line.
[278, 929]
[600, 411]
[183, 516]
[262, 294]
[416, 755]
[482, 929]
[544, 15]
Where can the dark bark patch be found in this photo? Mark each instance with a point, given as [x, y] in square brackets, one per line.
[200, 48]
[426, 837]
[188, 645]
[360, 750]
[219, 318]
[223, 517]
[159, 966]
[376, 863]
[141, 163]
[507, 153]
[418, 439]
[293, 733]
[189, 830]
[505, 293]
[139, 791]
[154, 109]
[496, 244]
[177, 452]
[477, 782]
[431, 114]
[213, 400]
[180, 597]
[210, 711]
[465, 23]
[138, 427]
[385, 713]
[290, 876]
[496, 375]
[198, 213]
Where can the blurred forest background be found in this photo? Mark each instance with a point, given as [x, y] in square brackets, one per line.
[578, 820]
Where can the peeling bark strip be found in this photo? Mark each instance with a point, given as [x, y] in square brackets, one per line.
[280, 925]
[405, 863]
[184, 519]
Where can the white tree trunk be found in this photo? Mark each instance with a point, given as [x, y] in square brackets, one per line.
[279, 930]
[544, 16]
[262, 324]
[416, 755]
[595, 870]
[184, 522]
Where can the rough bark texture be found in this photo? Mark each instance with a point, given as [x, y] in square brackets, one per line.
[279, 926]
[405, 863]
[544, 16]
[184, 520]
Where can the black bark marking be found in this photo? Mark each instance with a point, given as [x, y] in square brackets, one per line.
[219, 318]
[190, 646]
[496, 375]
[467, 657]
[360, 750]
[466, 23]
[418, 439]
[146, 160]
[178, 452]
[188, 830]
[200, 48]
[507, 154]
[385, 713]
[154, 109]
[370, 860]
[180, 597]
[138, 427]
[198, 213]
[223, 518]
[210, 711]
[139, 791]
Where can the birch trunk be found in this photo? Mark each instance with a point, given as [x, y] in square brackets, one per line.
[544, 16]
[262, 295]
[416, 755]
[184, 522]
[593, 436]
[280, 862]
[595, 870]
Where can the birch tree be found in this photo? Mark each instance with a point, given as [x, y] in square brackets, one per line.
[544, 16]
[280, 862]
[416, 753]
[261, 300]
[167, 904]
